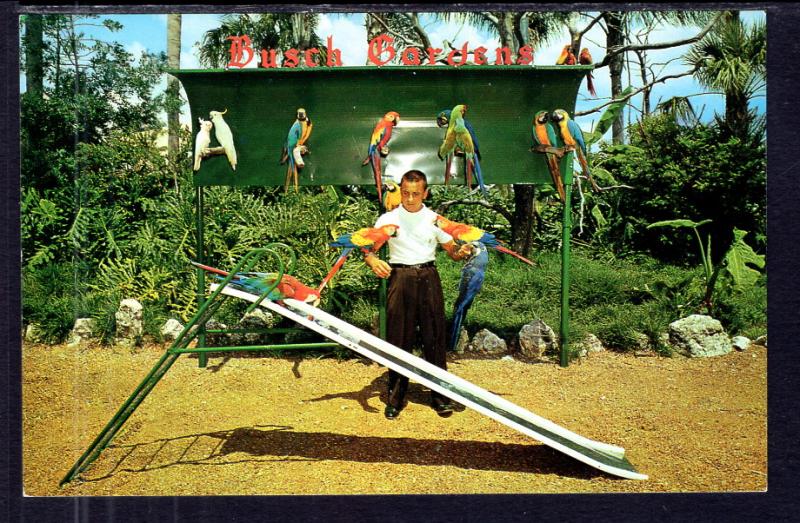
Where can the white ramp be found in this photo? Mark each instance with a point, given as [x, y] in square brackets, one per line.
[605, 457]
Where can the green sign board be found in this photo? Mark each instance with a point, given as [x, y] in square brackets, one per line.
[345, 103]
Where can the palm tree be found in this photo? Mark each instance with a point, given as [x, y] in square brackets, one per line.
[266, 31]
[732, 59]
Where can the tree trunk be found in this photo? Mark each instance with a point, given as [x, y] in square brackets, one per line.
[301, 31]
[34, 69]
[173, 90]
[615, 38]
[524, 218]
[641, 55]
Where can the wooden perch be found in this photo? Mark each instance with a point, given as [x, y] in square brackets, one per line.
[558, 151]
[212, 151]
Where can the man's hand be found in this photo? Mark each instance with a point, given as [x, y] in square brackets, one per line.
[378, 266]
[464, 251]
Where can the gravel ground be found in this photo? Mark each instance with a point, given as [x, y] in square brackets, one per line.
[282, 425]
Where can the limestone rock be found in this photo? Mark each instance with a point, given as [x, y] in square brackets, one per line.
[761, 340]
[699, 336]
[463, 342]
[255, 319]
[592, 343]
[33, 334]
[537, 338]
[488, 342]
[171, 329]
[81, 331]
[740, 343]
[129, 323]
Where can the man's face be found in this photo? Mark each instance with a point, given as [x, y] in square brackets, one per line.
[413, 193]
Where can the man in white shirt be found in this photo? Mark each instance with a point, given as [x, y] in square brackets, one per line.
[415, 298]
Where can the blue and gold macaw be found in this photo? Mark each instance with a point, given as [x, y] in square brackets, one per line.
[458, 136]
[443, 120]
[572, 135]
[543, 134]
[298, 134]
[377, 146]
[472, 276]
[392, 197]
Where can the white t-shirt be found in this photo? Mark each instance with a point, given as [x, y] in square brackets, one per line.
[417, 235]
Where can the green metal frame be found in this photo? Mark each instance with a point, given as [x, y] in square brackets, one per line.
[502, 99]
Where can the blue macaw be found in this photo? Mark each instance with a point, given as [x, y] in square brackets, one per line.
[460, 135]
[472, 276]
[543, 134]
[293, 139]
[571, 134]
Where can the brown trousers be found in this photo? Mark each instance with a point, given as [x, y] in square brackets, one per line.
[415, 310]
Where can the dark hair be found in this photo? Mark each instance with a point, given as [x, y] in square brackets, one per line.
[414, 176]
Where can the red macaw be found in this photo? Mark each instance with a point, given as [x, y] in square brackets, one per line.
[571, 134]
[377, 146]
[367, 239]
[567, 57]
[586, 59]
[544, 134]
[259, 282]
[468, 233]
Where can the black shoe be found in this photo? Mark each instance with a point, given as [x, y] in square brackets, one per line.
[391, 412]
[444, 410]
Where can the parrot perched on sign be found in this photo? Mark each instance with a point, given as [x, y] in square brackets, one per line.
[443, 119]
[392, 198]
[572, 135]
[567, 56]
[543, 134]
[377, 146]
[472, 276]
[298, 134]
[586, 59]
[259, 282]
[202, 141]
[467, 233]
[224, 136]
[367, 239]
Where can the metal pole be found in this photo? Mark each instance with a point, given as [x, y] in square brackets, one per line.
[201, 279]
[566, 229]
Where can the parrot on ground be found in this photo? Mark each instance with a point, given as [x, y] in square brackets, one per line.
[298, 134]
[367, 239]
[567, 56]
[377, 146]
[586, 59]
[392, 198]
[443, 119]
[467, 233]
[224, 136]
[472, 276]
[571, 134]
[259, 282]
[543, 134]
[202, 141]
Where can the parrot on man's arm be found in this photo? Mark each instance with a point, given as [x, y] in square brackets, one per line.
[377, 146]
[367, 239]
[472, 276]
[571, 134]
[468, 233]
[259, 282]
[544, 134]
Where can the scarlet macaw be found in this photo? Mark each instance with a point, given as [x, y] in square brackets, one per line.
[468, 233]
[259, 282]
[472, 276]
[392, 198]
[443, 119]
[543, 134]
[571, 134]
[586, 59]
[298, 134]
[567, 57]
[377, 146]
[367, 239]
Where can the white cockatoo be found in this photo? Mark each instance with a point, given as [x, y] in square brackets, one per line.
[224, 136]
[202, 140]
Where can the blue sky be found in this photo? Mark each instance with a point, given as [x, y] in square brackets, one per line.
[148, 32]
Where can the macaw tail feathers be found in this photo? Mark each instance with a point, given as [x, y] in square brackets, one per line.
[469, 168]
[447, 163]
[479, 177]
[336, 266]
[455, 331]
[585, 167]
[506, 250]
[555, 172]
[208, 268]
[376, 171]
[590, 84]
